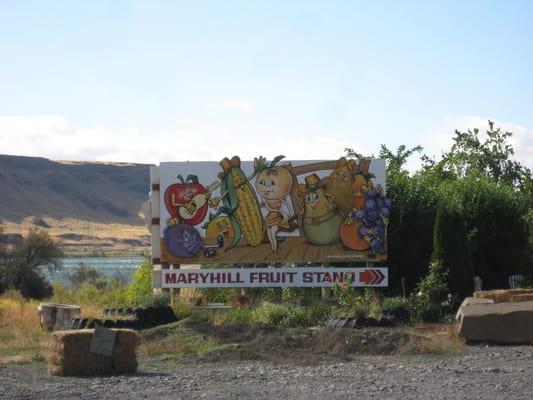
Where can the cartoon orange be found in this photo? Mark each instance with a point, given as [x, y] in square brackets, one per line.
[349, 235]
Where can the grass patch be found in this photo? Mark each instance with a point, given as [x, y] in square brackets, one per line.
[437, 339]
[20, 329]
[174, 339]
[286, 315]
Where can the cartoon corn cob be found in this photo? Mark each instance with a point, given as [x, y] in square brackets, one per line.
[241, 203]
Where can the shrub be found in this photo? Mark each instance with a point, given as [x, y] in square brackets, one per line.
[394, 303]
[83, 274]
[288, 315]
[426, 302]
[20, 268]
[302, 296]
[216, 295]
[140, 289]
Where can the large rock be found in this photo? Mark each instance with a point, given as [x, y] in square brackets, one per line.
[468, 302]
[505, 323]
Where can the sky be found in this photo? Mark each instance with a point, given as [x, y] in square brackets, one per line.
[153, 81]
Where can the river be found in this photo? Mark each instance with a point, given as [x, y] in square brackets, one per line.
[122, 268]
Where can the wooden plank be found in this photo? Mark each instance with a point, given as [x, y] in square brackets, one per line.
[311, 254]
[284, 248]
[156, 242]
[156, 279]
[154, 175]
[297, 248]
[319, 166]
[294, 249]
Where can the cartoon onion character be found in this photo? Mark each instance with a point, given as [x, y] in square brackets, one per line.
[274, 183]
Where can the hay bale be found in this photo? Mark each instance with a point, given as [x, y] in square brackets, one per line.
[498, 296]
[505, 323]
[501, 295]
[69, 354]
[516, 298]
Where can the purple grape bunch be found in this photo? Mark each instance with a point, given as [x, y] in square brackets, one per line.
[375, 218]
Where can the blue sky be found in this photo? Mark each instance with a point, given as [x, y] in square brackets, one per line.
[169, 81]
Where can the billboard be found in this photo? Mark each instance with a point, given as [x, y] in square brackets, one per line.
[266, 211]
[272, 277]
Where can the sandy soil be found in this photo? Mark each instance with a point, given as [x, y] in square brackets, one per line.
[77, 237]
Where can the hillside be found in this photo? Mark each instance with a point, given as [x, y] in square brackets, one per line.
[83, 203]
[86, 191]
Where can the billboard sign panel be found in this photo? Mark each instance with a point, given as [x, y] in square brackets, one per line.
[273, 277]
[273, 211]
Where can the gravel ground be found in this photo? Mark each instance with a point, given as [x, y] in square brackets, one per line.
[474, 373]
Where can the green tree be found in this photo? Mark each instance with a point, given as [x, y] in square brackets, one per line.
[450, 244]
[491, 157]
[497, 228]
[396, 161]
[23, 264]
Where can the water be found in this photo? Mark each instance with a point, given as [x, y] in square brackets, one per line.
[122, 268]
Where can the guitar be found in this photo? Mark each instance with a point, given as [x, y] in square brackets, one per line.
[197, 203]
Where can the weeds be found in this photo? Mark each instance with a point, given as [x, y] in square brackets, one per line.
[21, 336]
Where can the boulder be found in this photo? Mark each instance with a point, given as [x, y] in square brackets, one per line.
[468, 302]
[504, 323]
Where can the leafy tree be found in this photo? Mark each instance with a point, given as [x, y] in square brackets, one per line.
[396, 161]
[450, 244]
[491, 158]
[22, 266]
[496, 221]
[409, 239]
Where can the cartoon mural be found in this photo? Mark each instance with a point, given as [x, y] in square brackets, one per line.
[273, 211]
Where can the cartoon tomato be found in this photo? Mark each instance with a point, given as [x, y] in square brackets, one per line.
[187, 200]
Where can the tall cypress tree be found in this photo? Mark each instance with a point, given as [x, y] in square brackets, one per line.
[450, 244]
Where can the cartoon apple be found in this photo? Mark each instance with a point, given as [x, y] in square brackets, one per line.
[187, 200]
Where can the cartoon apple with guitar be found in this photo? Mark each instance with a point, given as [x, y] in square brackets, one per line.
[189, 200]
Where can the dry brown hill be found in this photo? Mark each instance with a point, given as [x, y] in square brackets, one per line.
[87, 208]
[94, 192]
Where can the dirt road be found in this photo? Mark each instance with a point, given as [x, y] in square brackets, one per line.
[473, 373]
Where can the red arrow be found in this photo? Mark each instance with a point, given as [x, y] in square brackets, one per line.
[371, 276]
[366, 276]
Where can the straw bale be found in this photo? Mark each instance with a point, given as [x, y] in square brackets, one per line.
[521, 297]
[501, 295]
[69, 354]
[498, 296]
